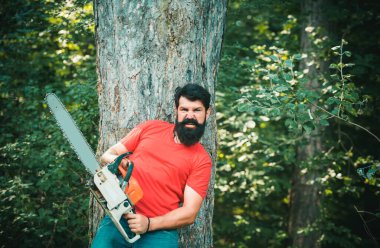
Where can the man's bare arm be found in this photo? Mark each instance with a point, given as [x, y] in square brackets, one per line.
[179, 217]
[112, 153]
[182, 216]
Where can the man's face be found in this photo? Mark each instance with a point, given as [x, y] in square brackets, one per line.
[191, 120]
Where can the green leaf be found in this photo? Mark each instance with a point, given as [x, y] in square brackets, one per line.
[289, 63]
[290, 123]
[333, 66]
[301, 107]
[335, 76]
[288, 76]
[275, 112]
[300, 95]
[297, 56]
[331, 100]
[274, 77]
[347, 53]
[308, 128]
[303, 80]
[281, 88]
[370, 173]
[290, 106]
[324, 116]
[244, 107]
[324, 122]
[274, 58]
[335, 111]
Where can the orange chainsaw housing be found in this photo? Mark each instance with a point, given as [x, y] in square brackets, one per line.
[133, 189]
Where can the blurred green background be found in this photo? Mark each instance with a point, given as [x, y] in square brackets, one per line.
[262, 112]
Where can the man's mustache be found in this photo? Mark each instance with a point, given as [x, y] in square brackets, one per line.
[190, 121]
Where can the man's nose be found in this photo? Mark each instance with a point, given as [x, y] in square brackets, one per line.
[190, 115]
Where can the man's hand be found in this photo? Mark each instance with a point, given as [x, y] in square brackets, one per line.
[125, 163]
[138, 223]
[112, 153]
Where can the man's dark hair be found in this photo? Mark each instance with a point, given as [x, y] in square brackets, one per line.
[192, 92]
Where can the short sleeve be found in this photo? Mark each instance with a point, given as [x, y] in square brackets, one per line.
[133, 138]
[199, 177]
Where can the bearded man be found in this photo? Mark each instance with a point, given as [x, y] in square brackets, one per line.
[171, 167]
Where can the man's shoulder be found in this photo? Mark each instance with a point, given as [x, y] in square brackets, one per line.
[202, 152]
[155, 126]
[156, 123]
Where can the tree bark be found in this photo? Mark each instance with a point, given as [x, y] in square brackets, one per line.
[305, 193]
[145, 49]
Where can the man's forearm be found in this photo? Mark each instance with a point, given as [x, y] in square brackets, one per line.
[182, 216]
[112, 153]
[107, 158]
[174, 219]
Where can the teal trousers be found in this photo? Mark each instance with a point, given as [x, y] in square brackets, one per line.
[108, 236]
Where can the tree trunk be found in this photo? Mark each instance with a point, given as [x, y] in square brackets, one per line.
[145, 49]
[305, 194]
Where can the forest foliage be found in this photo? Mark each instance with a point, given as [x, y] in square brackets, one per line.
[263, 115]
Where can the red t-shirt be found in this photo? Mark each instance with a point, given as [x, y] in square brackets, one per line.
[163, 167]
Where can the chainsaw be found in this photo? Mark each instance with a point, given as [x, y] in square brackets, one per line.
[115, 190]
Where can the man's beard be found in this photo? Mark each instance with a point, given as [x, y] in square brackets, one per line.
[189, 136]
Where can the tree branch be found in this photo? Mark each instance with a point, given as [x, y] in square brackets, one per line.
[349, 122]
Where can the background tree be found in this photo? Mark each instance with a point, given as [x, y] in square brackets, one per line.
[258, 145]
[306, 191]
[144, 51]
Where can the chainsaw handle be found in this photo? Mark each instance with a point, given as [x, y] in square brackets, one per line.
[131, 235]
[116, 215]
[113, 167]
[129, 172]
[118, 202]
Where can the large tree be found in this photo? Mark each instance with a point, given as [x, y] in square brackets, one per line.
[145, 49]
[305, 193]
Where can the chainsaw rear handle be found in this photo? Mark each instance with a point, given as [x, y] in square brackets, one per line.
[128, 184]
[113, 167]
[117, 214]
[118, 202]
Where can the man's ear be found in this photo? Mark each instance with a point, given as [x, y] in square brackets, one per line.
[175, 112]
[208, 112]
